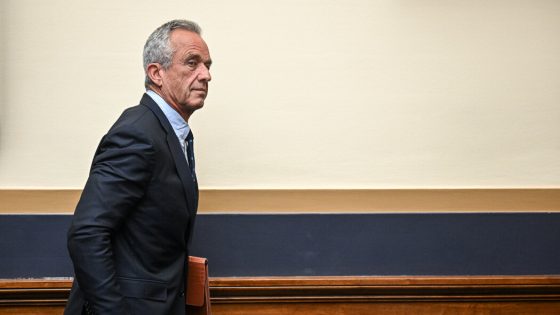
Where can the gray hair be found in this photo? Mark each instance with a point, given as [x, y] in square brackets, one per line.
[158, 47]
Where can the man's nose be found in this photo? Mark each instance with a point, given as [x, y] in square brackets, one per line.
[204, 74]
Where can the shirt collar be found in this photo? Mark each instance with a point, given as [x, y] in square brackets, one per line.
[179, 124]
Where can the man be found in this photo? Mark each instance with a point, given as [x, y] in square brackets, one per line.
[131, 230]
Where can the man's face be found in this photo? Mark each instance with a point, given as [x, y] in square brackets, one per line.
[185, 82]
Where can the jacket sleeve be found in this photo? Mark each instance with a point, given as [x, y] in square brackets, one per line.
[120, 171]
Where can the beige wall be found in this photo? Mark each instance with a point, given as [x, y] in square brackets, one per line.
[305, 94]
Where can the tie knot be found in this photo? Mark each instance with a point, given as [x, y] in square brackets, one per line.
[189, 136]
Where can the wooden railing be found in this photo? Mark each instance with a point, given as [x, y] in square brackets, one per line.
[459, 295]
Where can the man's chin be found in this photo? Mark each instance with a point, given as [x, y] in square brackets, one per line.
[196, 105]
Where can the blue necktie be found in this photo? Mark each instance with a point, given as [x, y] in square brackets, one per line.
[190, 153]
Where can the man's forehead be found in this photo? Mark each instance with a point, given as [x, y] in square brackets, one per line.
[189, 43]
[185, 37]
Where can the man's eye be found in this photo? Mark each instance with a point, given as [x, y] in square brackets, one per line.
[191, 63]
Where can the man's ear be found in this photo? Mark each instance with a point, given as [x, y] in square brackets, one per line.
[154, 72]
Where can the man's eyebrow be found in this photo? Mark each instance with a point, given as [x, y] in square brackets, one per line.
[190, 55]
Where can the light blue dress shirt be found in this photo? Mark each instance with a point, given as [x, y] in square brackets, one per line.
[177, 122]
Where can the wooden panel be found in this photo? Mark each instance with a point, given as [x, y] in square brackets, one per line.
[305, 200]
[32, 310]
[334, 295]
[38, 201]
[32, 297]
[385, 289]
[521, 308]
[382, 200]
[426, 308]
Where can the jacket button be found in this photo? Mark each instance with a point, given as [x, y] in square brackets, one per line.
[182, 293]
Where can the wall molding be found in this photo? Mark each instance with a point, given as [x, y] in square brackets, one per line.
[316, 200]
[349, 295]
[382, 288]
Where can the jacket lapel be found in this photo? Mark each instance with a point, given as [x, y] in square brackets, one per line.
[190, 187]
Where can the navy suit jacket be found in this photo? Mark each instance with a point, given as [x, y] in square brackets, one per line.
[131, 230]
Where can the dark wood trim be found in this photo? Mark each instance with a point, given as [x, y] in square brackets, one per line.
[34, 292]
[317, 200]
[333, 295]
[325, 289]
[384, 289]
